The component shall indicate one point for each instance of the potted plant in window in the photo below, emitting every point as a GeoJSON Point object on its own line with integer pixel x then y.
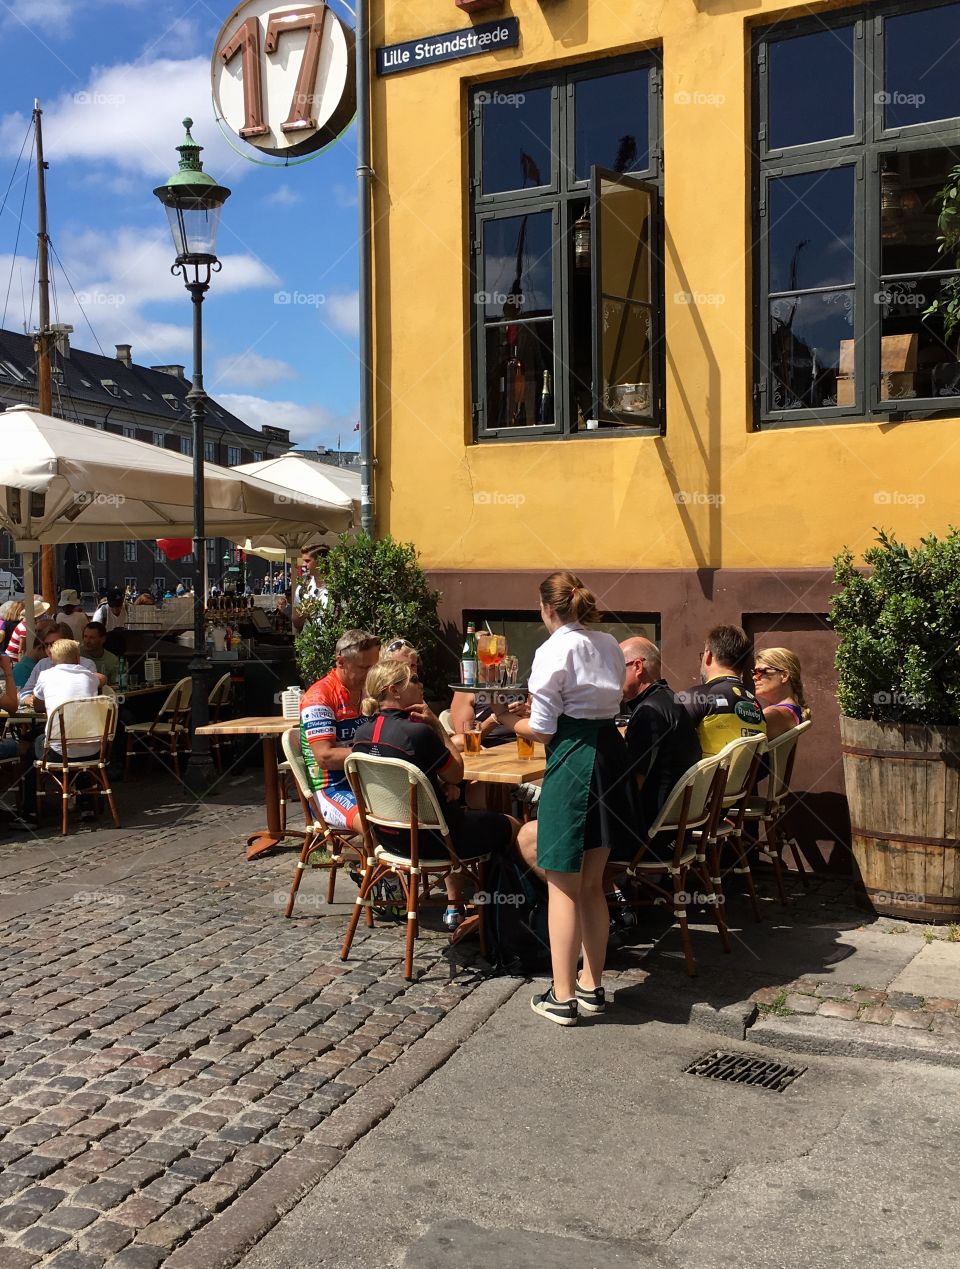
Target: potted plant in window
{"type": "Point", "coordinates": [946, 376]}
{"type": "Point", "coordinates": [898, 665]}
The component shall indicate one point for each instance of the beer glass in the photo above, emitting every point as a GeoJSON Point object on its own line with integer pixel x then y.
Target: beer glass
{"type": "Point", "coordinates": [525, 747]}
{"type": "Point", "coordinates": [471, 740]}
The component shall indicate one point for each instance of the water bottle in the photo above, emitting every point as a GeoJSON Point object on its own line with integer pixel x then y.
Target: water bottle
{"type": "Point", "coordinates": [122, 674]}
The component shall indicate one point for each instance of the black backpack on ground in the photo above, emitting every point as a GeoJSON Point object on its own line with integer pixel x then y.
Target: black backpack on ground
{"type": "Point", "coordinates": [516, 914]}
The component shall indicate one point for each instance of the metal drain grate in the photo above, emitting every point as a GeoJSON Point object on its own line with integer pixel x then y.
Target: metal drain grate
{"type": "Point", "coordinates": [738, 1068]}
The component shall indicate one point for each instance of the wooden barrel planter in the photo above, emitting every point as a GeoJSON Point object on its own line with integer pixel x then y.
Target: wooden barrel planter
{"type": "Point", "coordinates": [903, 788]}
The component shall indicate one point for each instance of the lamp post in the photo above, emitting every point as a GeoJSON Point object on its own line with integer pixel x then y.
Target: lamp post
{"type": "Point", "coordinates": [193, 201]}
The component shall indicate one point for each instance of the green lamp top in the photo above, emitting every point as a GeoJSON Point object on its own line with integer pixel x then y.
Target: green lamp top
{"type": "Point", "coordinates": [190, 183]}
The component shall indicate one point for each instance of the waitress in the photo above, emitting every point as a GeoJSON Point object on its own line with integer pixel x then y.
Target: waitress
{"type": "Point", "coordinates": [586, 806]}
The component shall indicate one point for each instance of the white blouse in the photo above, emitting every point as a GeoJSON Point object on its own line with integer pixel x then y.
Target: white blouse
{"type": "Point", "coordinates": [578, 672]}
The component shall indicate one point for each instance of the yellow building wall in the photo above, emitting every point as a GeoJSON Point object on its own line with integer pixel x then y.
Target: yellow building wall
{"type": "Point", "coordinates": [711, 492]}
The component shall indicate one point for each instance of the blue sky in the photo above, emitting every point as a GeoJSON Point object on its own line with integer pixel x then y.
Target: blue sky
{"type": "Point", "coordinates": [115, 77]}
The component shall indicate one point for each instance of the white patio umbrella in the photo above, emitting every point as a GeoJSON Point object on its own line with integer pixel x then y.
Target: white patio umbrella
{"type": "Point", "coordinates": [62, 482]}
{"type": "Point", "coordinates": [301, 477]}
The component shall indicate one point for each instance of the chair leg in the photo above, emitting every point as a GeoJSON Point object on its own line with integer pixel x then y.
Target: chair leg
{"type": "Point", "coordinates": [413, 897]}
{"type": "Point", "coordinates": [744, 870]}
{"type": "Point", "coordinates": [127, 755]}
{"type": "Point", "coordinates": [298, 875]}
{"type": "Point", "coordinates": [65, 807]}
{"type": "Point", "coordinates": [104, 783]}
{"type": "Point", "coordinates": [773, 848]}
{"type": "Point", "coordinates": [363, 900]}
{"type": "Point", "coordinates": [332, 879]}
{"type": "Point", "coordinates": [715, 891]}
{"type": "Point", "coordinates": [680, 913]}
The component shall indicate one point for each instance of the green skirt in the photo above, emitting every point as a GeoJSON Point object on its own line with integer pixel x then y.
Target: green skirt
{"type": "Point", "coordinates": [588, 799]}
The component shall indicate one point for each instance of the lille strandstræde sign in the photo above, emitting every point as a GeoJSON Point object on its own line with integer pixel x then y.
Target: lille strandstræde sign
{"type": "Point", "coordinates": [451, 46]}
{"type": "Point", "coordinates": [284, 80]}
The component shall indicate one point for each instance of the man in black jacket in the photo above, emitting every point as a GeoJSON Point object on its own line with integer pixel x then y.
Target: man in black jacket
{"type": "Point", "coordinates": [660, 735]}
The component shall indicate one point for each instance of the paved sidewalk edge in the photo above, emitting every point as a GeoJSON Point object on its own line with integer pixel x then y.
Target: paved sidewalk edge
{"type": "Point", "coordinates": [236, 1230]}
{"type": "Point", "coordinates": [834, 1038]}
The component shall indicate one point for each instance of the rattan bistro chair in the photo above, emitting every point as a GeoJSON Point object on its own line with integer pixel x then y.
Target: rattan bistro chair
{"type": "Point", "coordinates": [767, 812]}
{"type": "Point", "coordinates": [318, 835]}
{"type": "Point", "coordinates": [86, 721]}
{"type": "Point", "coordinates": [168, 734]}
{"type": "Point", "coordinates": [692, 803]}
{"type": "Point", "coordinates": [395, 794]}
{"type": "Point", "coordinates": [219, 702]}
{"type": "Point", "coordinates": [742, 759]}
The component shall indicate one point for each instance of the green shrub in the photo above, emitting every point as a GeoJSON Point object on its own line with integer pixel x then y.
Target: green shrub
{"type": "Point", "coordinates": [376, 586]}
{"type": "Point", "coordinates": [899, 627]}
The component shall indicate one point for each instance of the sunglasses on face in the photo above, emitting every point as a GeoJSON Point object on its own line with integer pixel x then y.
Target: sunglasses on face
{"type": "Point", "coordinates": [763, 671]}
{"type": "Point", "coordinates": [398, 644]}
{"type": "Point", "coordinates": [635, 661]}
{"type": "Point", "coordinates": [415, 679]}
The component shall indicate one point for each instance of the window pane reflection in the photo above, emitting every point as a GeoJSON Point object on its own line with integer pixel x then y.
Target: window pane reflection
{"type": "Point", "coordinates": [625, 339]}
{"type": "Point", "coordinates": [612, 114]}
{"type": "Point", "coordinates": [807, 335]}
{"type": "Point", "coordinates": [517, 268]}
{"type": "Point", "coordinates": [922, 83]}
{"type": "Point", "coordinates": [625, 241]}
{"type": "Point", "coordinates": [516, 131]}
{"type": "Point", "coordinates": [811, 229]}
{"type": "Point", "coordinates": [520, 391]}
{"type": "Point", "coordinates": [799, 111]}
{"type": "Point", "coordinates": [910, 183]}
{"type": "Point", "coordinates": [917, 359]}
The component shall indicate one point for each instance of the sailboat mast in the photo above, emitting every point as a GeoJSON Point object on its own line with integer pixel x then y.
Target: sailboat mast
{"type": "Point", "coordinates": [43, 335]}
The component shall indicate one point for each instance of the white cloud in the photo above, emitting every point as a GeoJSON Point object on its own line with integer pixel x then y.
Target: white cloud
{"type": "Point", "coordinates": [309, 425]}
{"type": "Point", "coordinates": [345, 195]}
{"type": "Point", "coordinates": [284, 196]}
{"type": "Point", "coordinates": [343, 311]}
{"type": "Point", "coordinates": [129, 115]}
{"type": "Point", "coordinates": [115, 277]}
{"type": "Point", "coordinates": [251, 370]}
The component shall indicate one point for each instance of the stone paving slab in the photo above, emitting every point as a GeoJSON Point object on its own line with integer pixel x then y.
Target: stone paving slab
{"type": "Point", "coordinates": [171, 1047]}
{"type": "Point", "coordinates": [933, 972]}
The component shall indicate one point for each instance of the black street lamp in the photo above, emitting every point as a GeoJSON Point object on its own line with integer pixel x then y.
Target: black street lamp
{"type": "Point", "coordinates": [193, 201]}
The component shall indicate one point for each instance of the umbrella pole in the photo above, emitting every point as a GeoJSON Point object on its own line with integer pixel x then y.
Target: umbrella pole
{"type": "Point", "coordinates": [29, 590]}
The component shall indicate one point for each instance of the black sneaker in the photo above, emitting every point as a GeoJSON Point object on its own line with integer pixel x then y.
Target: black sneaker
{"type": "Point", "coordinates": [591, 1001]}
{"type": "Point", "coordinates": [562, 1012]}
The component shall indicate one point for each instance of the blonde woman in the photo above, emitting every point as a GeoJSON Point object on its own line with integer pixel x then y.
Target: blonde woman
{"type": "Point", "coordinates": [399, 725]}
{"type": "Point", "coordinates": [778, 687]}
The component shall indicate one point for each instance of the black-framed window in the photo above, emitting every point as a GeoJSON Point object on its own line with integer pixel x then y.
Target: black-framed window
{"type": "Point", "coordinates": [846, 198]}
{"type": "Point", "coordinates": [567, 282]}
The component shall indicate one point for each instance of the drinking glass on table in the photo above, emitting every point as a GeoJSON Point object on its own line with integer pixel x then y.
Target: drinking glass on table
{"type": "Point", "coordinates": [525, 747]}
{"type": "Point", "coordinates": [471, 740]}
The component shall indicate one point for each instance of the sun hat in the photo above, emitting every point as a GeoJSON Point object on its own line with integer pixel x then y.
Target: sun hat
{"type": "Point", "coordinates": [68, 597]}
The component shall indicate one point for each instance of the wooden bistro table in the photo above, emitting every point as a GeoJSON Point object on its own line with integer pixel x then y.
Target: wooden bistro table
{"type": "Point", "coordinates": [502, 770]}
{"type": "Point", "coordinates": [268, 729]}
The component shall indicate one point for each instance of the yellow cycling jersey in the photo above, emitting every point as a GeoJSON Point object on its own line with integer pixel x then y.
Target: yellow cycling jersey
{"type": "Point", "coordinates": [723, 710]}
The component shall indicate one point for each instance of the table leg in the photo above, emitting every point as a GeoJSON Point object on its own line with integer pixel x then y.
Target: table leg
{"type": "Point", "coordinates": [272, 835]}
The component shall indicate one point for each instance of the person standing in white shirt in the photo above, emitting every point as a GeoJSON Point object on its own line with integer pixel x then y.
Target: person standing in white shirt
{"type": "Point", "coordinates": [312, 586]}
{"type": "Point", "coordinates": [587, 808]}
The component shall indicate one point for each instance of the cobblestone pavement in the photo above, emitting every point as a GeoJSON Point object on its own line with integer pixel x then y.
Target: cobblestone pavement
{"type": "Point", "coordinates": [851, 1004]}
{"type": "Point", "coordinates": [169, 1042]}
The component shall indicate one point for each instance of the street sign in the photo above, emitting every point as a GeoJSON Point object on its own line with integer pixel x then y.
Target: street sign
{"type": "Point", "coordinates": [451, 46]}
{"type": "Point", "coordinates": [284, 80]}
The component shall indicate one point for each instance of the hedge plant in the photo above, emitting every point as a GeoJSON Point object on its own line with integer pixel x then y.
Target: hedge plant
{"type": "Point", "coordinates": [898, 659]}
{"type": "Point", "coordinates": [374, 585]}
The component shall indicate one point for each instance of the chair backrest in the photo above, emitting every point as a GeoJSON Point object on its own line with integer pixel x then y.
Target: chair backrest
{"type": "Point", "coordinates": [220, 693]}
{"type": "Point", "coordinates": [290, 743]}
{"type": "Point", "coordinates": [742, 757]}
{"type": "Point", "coordinates": [86, 721]}
{"type": "Point", "coordinates": [446, 722]}
{"type": "Point", "coordinates": [179, 697]}
{"type": "Point", "coordinates": [384, 784]}
{"type": "Point", "coordinates": [698, 782]}
{"type": "Point", "coordinates": [780, 756]}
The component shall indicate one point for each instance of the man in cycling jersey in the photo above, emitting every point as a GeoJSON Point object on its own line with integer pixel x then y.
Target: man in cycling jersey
{"type": "Point", "coordinates": [329, 716]}
{"type": "Point", "coordinates": [722, 707]}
